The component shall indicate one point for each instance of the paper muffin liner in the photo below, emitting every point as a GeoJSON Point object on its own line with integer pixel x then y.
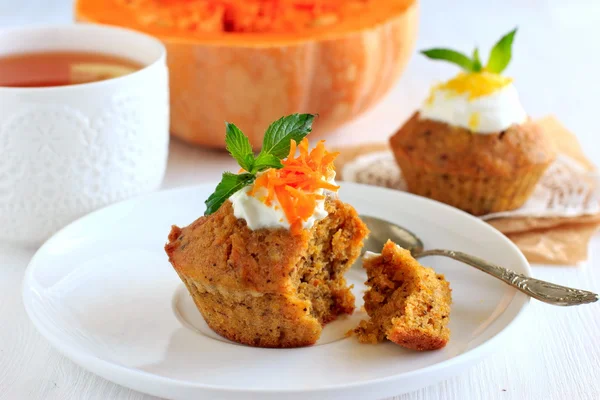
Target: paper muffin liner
{"type": "Point", "coordinates": [475, 195]}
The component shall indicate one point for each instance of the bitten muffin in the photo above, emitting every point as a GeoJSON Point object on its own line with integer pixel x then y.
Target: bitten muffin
{"type": "Point", "coordinates": [265, 265]}
{"type": "Point", "coordinates": [268, 287]}
{"type": "Point", "coordinates": [407, 303]}
{"type": "Point", "coordinates": [472, 145]}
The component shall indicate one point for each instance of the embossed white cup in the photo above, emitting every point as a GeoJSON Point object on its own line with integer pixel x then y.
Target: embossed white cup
{"type": "Point", "coordinates": [68, 150]}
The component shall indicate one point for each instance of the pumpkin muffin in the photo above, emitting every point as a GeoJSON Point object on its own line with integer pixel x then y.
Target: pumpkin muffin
{"type": "Point", "coordinates": [265, 265]}
{"type": "Point", "coordinates": [479, 174]}
{"type": "Point", "coordinates": [472, 145]}
{"type": "Point", "coordinates": [407, 303]}
{"type": "Point", "coordinates": [268, 287]}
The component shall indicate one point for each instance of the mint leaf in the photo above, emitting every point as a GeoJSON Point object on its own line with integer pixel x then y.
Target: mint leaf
{"type": "Point", "coordinates": [501, 53]}
{"type": "Point", "coordinates": [476, 61]}
{"type": "Point", "coordinates": [230, 183]}
{"type": "Point", "coordinates": [276, 146]}
{"type": "Point", "coordinates": [451, 56]}
{"type": "Point", "coordinates": [281, 132]}
{"type": "Point", "coordinates": [265, 161]}
{"type": "Point", "coordinates": [239, 146]}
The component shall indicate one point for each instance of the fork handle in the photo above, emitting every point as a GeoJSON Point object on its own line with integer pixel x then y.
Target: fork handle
{"type": "Point", "coordinates": [538, 289]}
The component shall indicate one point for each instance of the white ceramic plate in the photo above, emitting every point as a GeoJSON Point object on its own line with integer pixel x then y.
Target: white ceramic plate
{"type": "Point", "coordinates": [103, 293]}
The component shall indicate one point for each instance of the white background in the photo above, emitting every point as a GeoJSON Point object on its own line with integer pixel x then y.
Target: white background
{"type": "Point", "coordinates": [555, 353]}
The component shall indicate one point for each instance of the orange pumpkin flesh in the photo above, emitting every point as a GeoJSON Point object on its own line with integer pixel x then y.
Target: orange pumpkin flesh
{"type": "Point", "coordinates": [230, 62]}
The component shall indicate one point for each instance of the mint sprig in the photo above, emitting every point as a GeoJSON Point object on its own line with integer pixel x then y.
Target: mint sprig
{"type": "Point", "coordinates": [230, 183]}
{"type": "Point", "coordinates": [501, 53]}
{"type": "Point", "coordinates": [452, 56]}
{"type": "Point", "coordinates": [276, 146]}
{"type": "Point", "coordinates": [476, 60]}
{"type": "Point", "coordinates": [281, 132]}
{"type": "Point", "coordinates": [239, 146]}
{"type": "Point", "coordinates": [266, 161]}
{"type": "Point", "coordinates": [499, 59]}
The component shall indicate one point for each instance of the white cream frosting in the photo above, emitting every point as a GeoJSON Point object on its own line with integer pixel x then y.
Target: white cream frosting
{"type": "Point", "coordinates": [370, 255]}
{"type": "Point", "coordinates": [485, 114]}
{"type": "Point", "coordinates": [259, 215]}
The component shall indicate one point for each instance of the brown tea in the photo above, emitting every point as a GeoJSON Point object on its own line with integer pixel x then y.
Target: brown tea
{"type": "Point", "coordinates": [61, 68]}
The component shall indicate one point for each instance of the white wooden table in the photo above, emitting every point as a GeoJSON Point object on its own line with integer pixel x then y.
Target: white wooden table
{"type": "Point", "coordinates": [556, 351]}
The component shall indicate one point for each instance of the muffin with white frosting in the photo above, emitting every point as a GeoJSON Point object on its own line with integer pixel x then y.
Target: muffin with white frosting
{"type": "Point", "coordinates": [472, 145]}
{"type": "Point", "coordinates": [265, 265]}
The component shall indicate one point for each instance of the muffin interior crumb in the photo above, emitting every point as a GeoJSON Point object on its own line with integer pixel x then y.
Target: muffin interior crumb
{"type": "Point", "coordinates": [407, 303]}
{"type": "Point", "coordinates": [319, 276]}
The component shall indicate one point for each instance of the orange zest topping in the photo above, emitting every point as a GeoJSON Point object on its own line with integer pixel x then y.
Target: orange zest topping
{"type": "Point", "coordinates": [296, 186]}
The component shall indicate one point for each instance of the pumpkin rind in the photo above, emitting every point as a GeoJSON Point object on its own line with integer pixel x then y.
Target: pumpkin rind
{"type": "Point", "coordinates": [254, 83]}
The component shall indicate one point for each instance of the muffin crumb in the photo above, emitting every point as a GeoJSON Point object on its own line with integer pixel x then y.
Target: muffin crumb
{"type": "Point", "coordinates": [407, 303]}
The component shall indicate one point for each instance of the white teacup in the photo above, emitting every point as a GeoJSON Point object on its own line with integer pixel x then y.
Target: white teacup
{"type": "Point", "coordinates": [68, 150]}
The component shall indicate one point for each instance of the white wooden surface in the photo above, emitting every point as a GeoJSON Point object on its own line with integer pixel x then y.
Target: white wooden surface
{"type": "Point", "coordinates": [556, 352]}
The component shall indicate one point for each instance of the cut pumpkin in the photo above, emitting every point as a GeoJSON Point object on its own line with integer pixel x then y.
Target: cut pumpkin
{"type": "Point", "coordinates": [252, 61]}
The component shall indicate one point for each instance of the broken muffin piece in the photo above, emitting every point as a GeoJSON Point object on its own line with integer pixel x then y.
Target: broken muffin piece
{"type": "Point", "coordinates": [407, 303]}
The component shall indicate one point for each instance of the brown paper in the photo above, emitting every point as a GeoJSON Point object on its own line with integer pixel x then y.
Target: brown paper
{"type": "Point", "coordinates": [528, 224]}
{"type": "Point", "coordinates": [562, 245]}
{"type": "Point", "coordinates": [542, 240]}
{"type": "Point", "coordinates": [564, 141]}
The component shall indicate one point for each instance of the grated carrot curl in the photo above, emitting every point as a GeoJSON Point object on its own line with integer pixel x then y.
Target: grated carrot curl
{"type": "Point", "coordinates": [296, 185]}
